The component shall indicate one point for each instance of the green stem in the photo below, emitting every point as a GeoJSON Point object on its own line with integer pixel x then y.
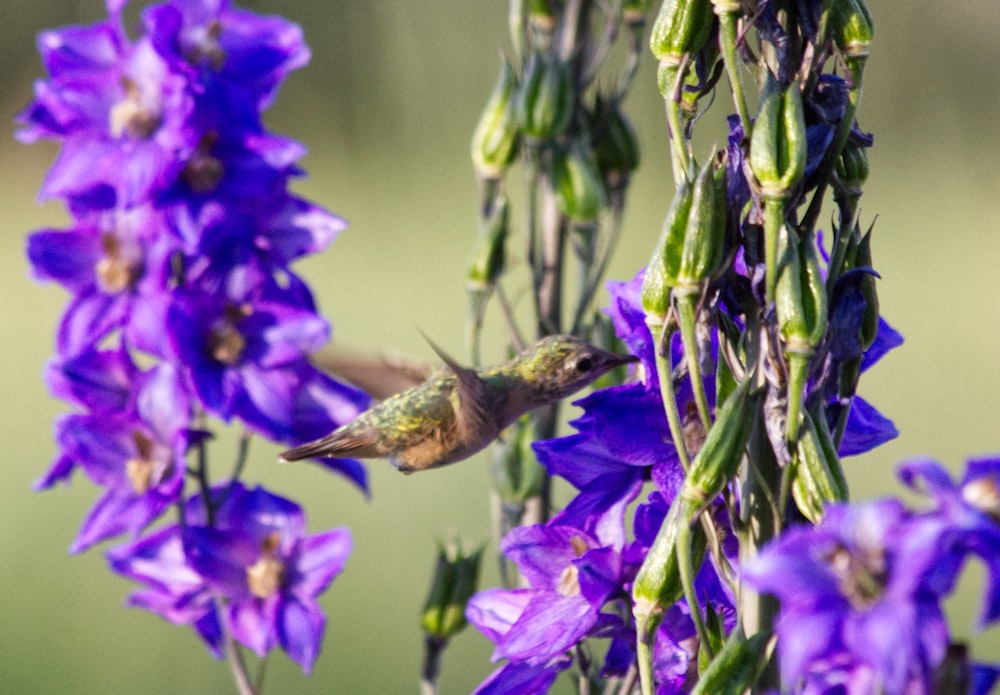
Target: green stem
{"type": "Point", "coordinates": [674, 78]}
{"type": "Point", "coordinates": [686, 309]}
{"type": "Point", "coordinates": [687, 571]}
{"type": "Point", "coordinates": [798, 370]}
{"type": "Point", "coordinates": [644, 655]}
{"type": "Point", "coordinates": [727, 39]}
{"type": "Point", "coordinates": [774, 217]}
{"type": "Point", "coordinates": [664, 373]}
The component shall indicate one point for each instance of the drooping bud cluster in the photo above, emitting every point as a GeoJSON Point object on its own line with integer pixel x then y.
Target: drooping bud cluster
{"type": "Point", "coordinates": [184, 302]}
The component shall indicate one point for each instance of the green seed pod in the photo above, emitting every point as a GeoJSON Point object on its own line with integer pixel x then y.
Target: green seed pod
{"type": "Point", "coordinates": [657, 584]}
{"type": "Point", "coordinates": [869, 324]}
{"type": "Point", "coordinates": [661, 271]}
{"type": "Point", "coordinates": [705, 232]}
{"type": "Point", "coordinates": [800, 295]}
{"type": "Point", "coordinates": [736, 667]}
{"type": "Point", "coordinates": [544, 99]}
{"type": "Point", "coordinates": [488, 260]}
{"type": "Point", "coordinates": [578, 185]}
{"type": "Point", "coordinates": [818, 478]}
{"type": "Point", "coordinates": [494, 141]}
{"type": "Point", "coordinates": [455, 577]}
{"type": "Point", "coordinates": [616, 145]}
{"type": "Point", "coordinates": [719, 457]}
{"type": "Point", "coordinates": [852, 168]}
{"type": "Point", "coordinates": [681, 27]}
{"type": "Point", "coordinates": [851, 26]}
{"type": "Point", "coordinates": [778, 146]}
{"type": "Point", "coordinates": [801, 306]}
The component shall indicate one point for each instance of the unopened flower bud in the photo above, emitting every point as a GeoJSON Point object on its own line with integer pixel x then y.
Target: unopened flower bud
{"type": "Point", "coordinates": [541, 16]}
{"type": "Point", "coordinates": [818, 478]}
{"type": "Point", "coordinates": [869, 324]}
{"type": "Point", "coordinates": [682, 27]}
{"type": "Point", "coordinates": [736, 667]}
{"type": "Point", "coordinates": [852, 168]}
{"type": "Point", "coordinates": [778, 147]}
{"type": "Point", "coordinates": [801, 307]}
{"type": "Point", "coordinates": [852, 28]}
{"type": "Point", "coordinates": [657, 585]}
{"type": "Point", "coordinates": [616, 145]}
{"type": "Point", "coordinates": [692, 242]}
{"type": "Point", "coordinates": [661, 271]}
{"type": "Point", "coordinates": [494, 141]}
{"type": "Point", "coordinates": [719, 457]}
{"type": "Point", "coordinates": [455, 577]}
{"type": "Point", "coordinates": [544, 99]}
{"type": "Point", "coordinates": [578, 185]}
{"type": "Point", "coordinates": [489, 256]}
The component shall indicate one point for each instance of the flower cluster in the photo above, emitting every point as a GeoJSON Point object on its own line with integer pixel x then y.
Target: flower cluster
{"type": "Point", "coordinates": [861, 592]}
{"type": "Point", "coordinates": [753, 327]}
{"type": "Point", "coordinates": [184, 306]}
{"type": "Point", "coordinates": [582, 564]}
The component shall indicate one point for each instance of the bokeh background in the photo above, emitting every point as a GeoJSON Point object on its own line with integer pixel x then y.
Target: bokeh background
{"type": "Point", "coordinates": [386, 108]}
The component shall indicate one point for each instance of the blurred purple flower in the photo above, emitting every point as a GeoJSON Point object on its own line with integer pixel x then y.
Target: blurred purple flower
{"type": "Point", "coordinates": [258, 565]}
{"type": "Point", "coordinates": [854, 597]}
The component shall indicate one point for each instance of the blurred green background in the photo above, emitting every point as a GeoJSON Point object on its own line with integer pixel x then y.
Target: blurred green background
{"type": "Point", "coordinates": [386, 108]}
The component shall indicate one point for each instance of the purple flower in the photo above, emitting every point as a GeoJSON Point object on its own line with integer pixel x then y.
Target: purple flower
{"type": "Point", "coordinates": [970, 512]}
{"type": "Point", "coordinates": [854, 599]}
{"type": "Point", "coordinates": [572, 574]}
{"type": "Point", "coordinates": [122, 112]}
{"type": "Point", "coordinates": [255, 570]}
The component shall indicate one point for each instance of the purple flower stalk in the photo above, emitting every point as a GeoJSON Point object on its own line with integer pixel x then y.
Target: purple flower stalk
{"type": "Point", "coordinates": [184, 305]}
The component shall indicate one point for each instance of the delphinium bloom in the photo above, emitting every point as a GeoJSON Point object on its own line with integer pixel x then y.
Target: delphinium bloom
{"type": "Point", "coordinates": [184, 303]}
{"type": "Point", "coordinates": [251, 566]}
{"type": "Point", "coordinates": [859, 600]}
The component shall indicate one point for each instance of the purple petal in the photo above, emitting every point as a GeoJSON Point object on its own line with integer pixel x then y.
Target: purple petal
{"type": "Point", "coordinates": [321, 557]}
{"type": "Point", "coordinates": [300, 631]}
{"type": "Point", "coordinates": [866, 429]}
{"type": "Point", "coordinates": [494, 611]}
{"type": "Point", "coordinates": [550, 625]}
{"type": "Point", "coordinates": [523, 678]}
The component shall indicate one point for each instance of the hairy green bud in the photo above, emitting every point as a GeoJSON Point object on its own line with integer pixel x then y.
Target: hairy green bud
{"type": "Point", "coordinates": [657, 584]}
{"type": "Point", "coordinates": [692, 242]}
{"type": "Point", "coordinates": [851, 26]}
{"type": "Point", "coordinates": [489, 257]}
{"type": "Point", "coordinates": [778, 146]}
{"type": "Point", "coordinates": [616, 145]}
{"type": "Point", "coordinates": [736, 667]}
{"type": "Point", "coordinates": [578, 185]}
{"type": "Point", "coordinates": [494, 141]}
{"type": "Point", "coordinates": [544, 99]}
{"type": "Point", "coordinates": [818, 478]}
{"type": "Point", "coordinates": [681, 27]}
{"type": "Point", "coordinates": [719, 457]}
{"type": "Point", "coordinates": [456, 574]}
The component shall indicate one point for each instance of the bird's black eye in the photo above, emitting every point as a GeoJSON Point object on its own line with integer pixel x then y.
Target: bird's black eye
{"type": "Point", "coordinates": [584, 365]}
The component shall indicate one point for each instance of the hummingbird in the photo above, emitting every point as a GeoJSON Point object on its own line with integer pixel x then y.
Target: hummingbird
{"type": "Point", "coordinates": [458, 411]}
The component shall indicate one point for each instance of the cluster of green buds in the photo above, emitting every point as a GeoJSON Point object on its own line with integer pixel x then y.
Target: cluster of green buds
{"type": "Point", "coordinates": [774, 435]}
{"type": "Point", "coordinates": [556, 115]}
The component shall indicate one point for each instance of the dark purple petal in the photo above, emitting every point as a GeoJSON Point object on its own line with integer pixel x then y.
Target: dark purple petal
{"type": "Point", "coordinates": [100, 380]}
{"type": "Point", "coordinates": [221, 557]}
{"type": "Point", "coordinates": [519, 678]}
{"type": "Point", "coordinates": [867, 429]}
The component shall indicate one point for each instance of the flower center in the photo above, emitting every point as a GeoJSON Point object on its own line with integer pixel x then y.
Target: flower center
{"type": "Point", "coordinates": [131, 116]}
{"type": "Point", "coordinates": [116, 271]}
{"type": "Point", "coordinates": [202, 45]}
{"type": "Point", "coordinates": [265, 576]}
{"type": "Point", "coordinates": [140, 468]}
{"type": "Point", "coordinates": [225, 342]}
{"type": "Point", "coordinates": [862, 575]}
{"type": "Point", "coordinates": [203, 171]}
{"type": "Point", "coordinates": [984, 494]}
